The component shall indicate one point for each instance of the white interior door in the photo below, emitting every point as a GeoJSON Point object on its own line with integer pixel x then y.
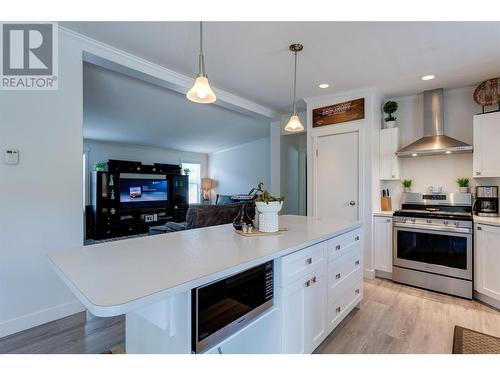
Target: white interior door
{"type": "Point", "coordinates": [337, 176]}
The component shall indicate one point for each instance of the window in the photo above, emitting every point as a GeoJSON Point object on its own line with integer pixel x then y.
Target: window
{"type": "Point", "coordinates": [194, 181]}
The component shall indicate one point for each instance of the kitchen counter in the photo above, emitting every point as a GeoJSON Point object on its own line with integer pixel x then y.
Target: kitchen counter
{"type": "Point", "coordinates": [383, 213]}
{"type": "Point", "coordinates": [487, 220]}
{"type": "Point", "coordinates": [119, 277]}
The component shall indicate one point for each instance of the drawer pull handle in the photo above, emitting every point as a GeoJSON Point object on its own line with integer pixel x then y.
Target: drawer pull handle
{"type": "Point", "coordinates": [337, 276]}
{"type": "Point", "coordinates": [338, 309]}
{"type": "Point", "coordinates": [337, 248]}
{"type": "Point", "coordinates": [479, 228]}
{"type": "Point", "coordinates": [219, 350]}
{"type": "Point", "coordinates": [356, 291]}
{"type": "Point", "coordinates": [309, 260]}
{"type": "Point", "coordinates": [308, 283]}
{"type": "Point", "coordinates": [313, 280]}
{"type": "Point", "coordinates": [356, 238]}
{"type": "Point", "coordinates": [356, 263]}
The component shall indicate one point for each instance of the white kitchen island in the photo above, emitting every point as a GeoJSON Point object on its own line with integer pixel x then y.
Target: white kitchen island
{"type": "Point", "coordinates": [150, 280]}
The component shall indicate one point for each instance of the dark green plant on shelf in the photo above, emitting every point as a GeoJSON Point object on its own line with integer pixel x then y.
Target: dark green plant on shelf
{"type": "Point", "coordinates": [463, 182]}
{"type": "Point", "coordinates": [100, 166]}
{"type": "Point", "coordinates": [406, 184]}
{"type": "Point", "coordinates": [390, 107]}
{"type": "Point", "coordinates": [262, 195]}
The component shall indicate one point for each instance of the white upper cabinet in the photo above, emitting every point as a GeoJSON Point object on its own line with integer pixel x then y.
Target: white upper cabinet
{"type": "Point", "coordinates": [486, 141]}
{"type": "Point", "coordinates": [389, 162]}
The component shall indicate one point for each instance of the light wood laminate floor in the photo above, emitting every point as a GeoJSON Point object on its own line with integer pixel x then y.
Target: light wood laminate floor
{"type": "Point", "coordinates": [393, 319]}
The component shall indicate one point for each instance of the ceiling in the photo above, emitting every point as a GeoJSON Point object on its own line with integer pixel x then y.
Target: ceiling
{"type": "Point", "coordinates": [251, 59]}
{"type": "Point", "coordinates": [123, 109]}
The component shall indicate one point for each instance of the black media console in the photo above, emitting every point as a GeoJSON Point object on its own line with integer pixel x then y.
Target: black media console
{"type": "Point", "coordinates": [130, 197]}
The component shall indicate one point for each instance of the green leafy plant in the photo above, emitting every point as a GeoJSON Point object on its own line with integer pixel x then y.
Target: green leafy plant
{"type": "Point", "coordinates": [186, 171]}
{"type": "Point", "coordinates": [406, 183]}
{"type": "Point", "coordinates": [463, 182]}
{"type": "Point", "coordinates": [100, 166]}
{"type": "Point", "coordinates": [262, 195]}
{"type": "Point", "coordinates": [390, 107]}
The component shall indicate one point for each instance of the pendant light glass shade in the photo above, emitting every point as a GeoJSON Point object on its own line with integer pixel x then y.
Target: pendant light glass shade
{"type": "Point", "coordinates": [294, 124]}
{"type": "Point", "coordinates": [201, 91]}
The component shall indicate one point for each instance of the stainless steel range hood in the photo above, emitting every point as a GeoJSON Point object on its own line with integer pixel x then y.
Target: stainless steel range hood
{"type": "Point", "coordinates": [434, 141]}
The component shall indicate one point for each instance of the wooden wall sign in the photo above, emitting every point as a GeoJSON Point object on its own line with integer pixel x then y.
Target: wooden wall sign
{"type": "Point", "coordinates": [340, 112]}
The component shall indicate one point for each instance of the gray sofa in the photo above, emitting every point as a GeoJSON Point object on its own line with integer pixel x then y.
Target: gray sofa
{"type": "Point", "coordinates": [205, 215]}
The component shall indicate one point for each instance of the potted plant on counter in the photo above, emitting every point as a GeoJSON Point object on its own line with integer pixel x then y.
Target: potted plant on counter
{"type": "Point", "coordinates": [389, 108]}
{"type": "Point", "coordinates": [266, 209]}
{"type": "Point", "coordinates": [463, 184]}
{"type": "Point", "coordinates": [406, 186]}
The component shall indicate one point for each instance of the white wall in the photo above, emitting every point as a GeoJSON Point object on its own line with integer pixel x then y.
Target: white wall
{"type": "Point", "coordinates": [103, 151]}
{"type": "Point", "coordinates": [459, 109]}
{"type": "Point", "coordinates": [293, 173]}
{"type": "Point", "coordinates": [41, 200]}
{"type": "Point", "coordinates": [240, 168]}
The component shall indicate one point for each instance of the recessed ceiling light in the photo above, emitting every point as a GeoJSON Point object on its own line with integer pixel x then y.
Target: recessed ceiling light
{"type": "Point", "coordinates": [427, 78]}
{"type": "Point", "coordinates": [323, 85]}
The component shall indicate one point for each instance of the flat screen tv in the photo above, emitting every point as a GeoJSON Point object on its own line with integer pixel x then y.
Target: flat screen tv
{"type": "Point", "coordinates": [143, 191]}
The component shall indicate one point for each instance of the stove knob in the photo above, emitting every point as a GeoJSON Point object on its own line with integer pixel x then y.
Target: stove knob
{"type": "Point", "coordinates": [457, 224]}
{"type": "Point", "coordinates": [404, 221]}
{"type": "Point", "coordinates": [429, 221]}
{"type": "Point", "coordinates": [445, 222]}
{"type": "Point", "coordinates": [413, 220]}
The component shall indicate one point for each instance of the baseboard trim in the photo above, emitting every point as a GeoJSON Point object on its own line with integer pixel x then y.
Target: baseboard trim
{"type": "Point", "coordinates": [383, 274]}
{"type": "Point", "coordinates": [487, 300]}
{"type": "Point", "coordinates": [369, 274]}
{"type": "Point", "coordinates": [37, 318]}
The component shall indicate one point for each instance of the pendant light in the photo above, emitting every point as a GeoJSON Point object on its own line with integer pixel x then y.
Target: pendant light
{"type": "Point", "coordinates": [201, 91]}
{"type": "Point", "coordinates": [294, 124]}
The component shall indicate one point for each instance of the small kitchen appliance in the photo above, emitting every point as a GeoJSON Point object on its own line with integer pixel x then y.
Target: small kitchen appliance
{"type": "Point", "coordinates": [486, 203]}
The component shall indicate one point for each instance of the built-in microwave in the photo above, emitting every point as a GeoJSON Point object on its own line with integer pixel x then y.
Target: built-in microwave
{"type": "Point", "coordinates": [224, 306]}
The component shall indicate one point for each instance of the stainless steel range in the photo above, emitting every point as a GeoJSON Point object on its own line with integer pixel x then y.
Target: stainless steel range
{"type": "Point", "coordinates": [433, 244]}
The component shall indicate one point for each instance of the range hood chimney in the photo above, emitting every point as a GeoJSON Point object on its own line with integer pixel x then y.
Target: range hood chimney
{"type": "Point", "coordinates": [434, 141]}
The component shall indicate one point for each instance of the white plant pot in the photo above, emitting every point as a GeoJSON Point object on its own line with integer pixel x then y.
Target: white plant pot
{"type": "Point", "coordinates": [463, 189]}
{"type": "Point", "coordinates": [268, 216]}
{"type": "Point", "coordinates": [390, 124]}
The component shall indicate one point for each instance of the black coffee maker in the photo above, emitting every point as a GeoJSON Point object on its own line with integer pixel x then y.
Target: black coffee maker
{"type": "Point", "coordinates": [486, 203]}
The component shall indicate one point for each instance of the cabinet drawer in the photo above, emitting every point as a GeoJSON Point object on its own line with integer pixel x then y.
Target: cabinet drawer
{"type": "Point", "coordinates": [343, 298]}
{"type": "Point", "coordinates": [340, 245]}
{"type": "Point", "coordinates": [302, 262]}
{"type": "Point", "coordinates": [344, 266]}
{"type": "Point", "coordinates": [260, 337]}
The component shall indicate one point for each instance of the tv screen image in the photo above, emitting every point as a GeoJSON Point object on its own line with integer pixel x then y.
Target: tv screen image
{"type": "Point", "coordinates": [143, 192]}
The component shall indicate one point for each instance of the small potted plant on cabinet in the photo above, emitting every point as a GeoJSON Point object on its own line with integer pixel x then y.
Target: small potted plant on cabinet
{"type": "Point", "coordinates": [186, 171]}
{"type": "Point", "coordinates": [406, 186]}
{"type": "Point", "coordinates": [463, 184]}
{"type": "Point", "coordinates": [389, 108]}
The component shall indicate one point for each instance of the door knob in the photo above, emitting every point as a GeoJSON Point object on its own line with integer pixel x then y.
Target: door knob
{"type": "Point", "coordinates": [352, 203]}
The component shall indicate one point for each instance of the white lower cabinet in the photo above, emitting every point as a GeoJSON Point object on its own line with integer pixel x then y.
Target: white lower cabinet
{"type": "Point", "coordinates": [304, 312]}
{"type": "Point", "coordinates": [382, 243]}
{"type": "Point", "coordinates": [262, 336]}
{"type": "Point", "coordinates": [487, 263]}
{"type": "Point", "coordinates": [317, 300]}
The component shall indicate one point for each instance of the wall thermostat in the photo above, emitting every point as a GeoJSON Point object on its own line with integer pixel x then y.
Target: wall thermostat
{"type": "Point", "coordinates": [11, 156]}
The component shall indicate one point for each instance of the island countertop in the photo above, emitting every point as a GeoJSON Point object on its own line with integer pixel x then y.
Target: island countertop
{"type": "Point", "coordinates": [117, 277]}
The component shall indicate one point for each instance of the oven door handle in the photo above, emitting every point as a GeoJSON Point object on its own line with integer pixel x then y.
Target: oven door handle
{"type": "Point", "coordinates": [433, 228]}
